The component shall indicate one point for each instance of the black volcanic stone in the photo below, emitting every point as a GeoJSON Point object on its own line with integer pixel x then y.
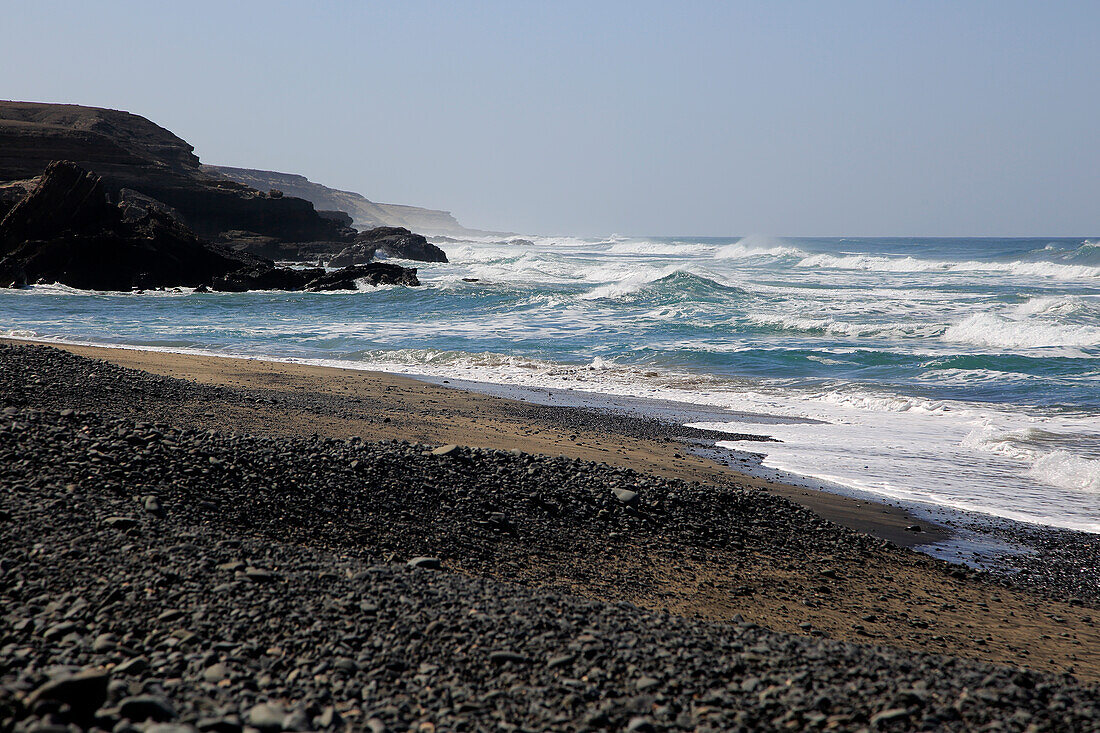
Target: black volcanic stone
{"type": "Point", "coordinates": [349, 635]}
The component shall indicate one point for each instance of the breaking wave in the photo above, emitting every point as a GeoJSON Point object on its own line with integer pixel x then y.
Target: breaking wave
{"type": "Point", "coordinates": [876, 263]}
{"type": "Point", "coordinates": [985, 329]}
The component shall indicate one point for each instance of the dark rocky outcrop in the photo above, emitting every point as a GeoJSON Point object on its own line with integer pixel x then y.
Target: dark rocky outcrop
{"type": "Point", "coordinates": [68, 231]}
{"type": "Point", "coordinates": [265, 277]}
{"type": "Point", "coordinates": [315, 279]}
{"type": "Point", "coordinates": [128, 151]}
{"type": "Point", "coordinates": [395, 242]}
{"type": "Point", "coordinates": [374, 273]}
{"type": "Point", "coordinates": [253, 212]}
{"type": "Point", "coordinates": [340, 217]}
{"type": "Point", "coordinates": [12, 192]}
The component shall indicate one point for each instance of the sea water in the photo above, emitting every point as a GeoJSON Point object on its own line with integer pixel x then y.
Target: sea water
{"type": "Point", "coordinates": [955, 372]}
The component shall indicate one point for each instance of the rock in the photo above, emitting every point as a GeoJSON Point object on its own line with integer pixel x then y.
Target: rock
{"type": "Point", "coordinates": [374, 274]}
{"type": "Point", "coordinates": [264, 276]}
{"type": "Point", "coordinates": [330, 718]}
{"type": "Point", "coordinates": [152, 505]}
{"type": "Point", "coordinates": [559, 660]}
{"type": "Point", "coordinates": [914, 528]}
{"type": "Point", "coordinates": [134, 666]}
{"type": "Point", "coordinates": [887, 716]}
{"type": "Point", "coordinates": [267, 716]}
{"type": "Point", "coordinates": [61, 630]}
{"type": "Point", "coordinates": [135, 205]}
{"type": "Point", "coordinates": [120, 522]}
{"type": "Point", "coordinates": [104, 643]}
{"type": "Point", "coordinates": [626, 496]}
{"type": "Point", "coordinates": [395, 242]}
{"type": "Point", "coordinates": [215, 673]}
{"type": "Point", "coordinates": [146, 707]}
{"type": "Point", "coordinates": [169, 728]}
{"type": "Point", "coordinates": [219, 725]}
{"type": "Point", "coordinates": [426, 563]}
{"type": "Point", "coordinates": [353, 254]}
{"type": "Point", "coordinates": [12, 192]}
{"type": "Point", "coordinates": [297, 721]}
{"type": "Point", "coordinates": [640, 725]}
{"type": "Point", "coordinates": [68, 232]}
{"type": "Point", "coordinates": [130, 152]}
{"type": "Point", "coordinates": [506, 657]}
{"type": "Point", "coordinates": [342, 218]}
{"type": "Point", "coordinates": [84, 692]}
{"type": "Point", "coordinates": [445, 450]}
{"type": "Point", "coordinates": [259, 575]}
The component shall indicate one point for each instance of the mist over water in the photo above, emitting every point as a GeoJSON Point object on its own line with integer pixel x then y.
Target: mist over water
{"type": "Point", "coordinates": [958, 372]}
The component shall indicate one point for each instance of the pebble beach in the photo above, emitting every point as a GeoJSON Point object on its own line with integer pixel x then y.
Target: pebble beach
{"type": "Point", "coordinates": [242, 549]}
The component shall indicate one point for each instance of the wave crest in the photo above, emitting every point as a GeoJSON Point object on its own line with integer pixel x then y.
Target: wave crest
{"type": "Point", "coordinates": [984, 329]}
{"type": "Point", "coordinates": [878, 263]}
{"type": "Point", "coordinates": [665, 288]}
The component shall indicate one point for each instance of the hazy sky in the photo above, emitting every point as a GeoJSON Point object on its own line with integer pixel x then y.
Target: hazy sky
{"type": "Point", "coordinates": [723, 118]}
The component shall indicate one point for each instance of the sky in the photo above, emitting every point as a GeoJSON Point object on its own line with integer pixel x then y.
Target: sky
{"type": "Point", "coordinates": [639, 118]}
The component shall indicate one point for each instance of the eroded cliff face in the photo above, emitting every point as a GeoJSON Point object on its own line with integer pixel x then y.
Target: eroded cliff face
{"type": "Point", "coordinates": [129, 151]}
{"type": "Point", "coordinates": [67, 230]}
{"type": "Point", "coordinates": [365, 214]}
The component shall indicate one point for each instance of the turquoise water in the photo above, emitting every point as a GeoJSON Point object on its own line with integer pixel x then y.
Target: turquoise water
{"type": "Point", "coordinates": [957, 372]}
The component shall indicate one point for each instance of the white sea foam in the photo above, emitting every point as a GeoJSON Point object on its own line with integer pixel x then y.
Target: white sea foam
{"type": "Point", "coordinates": [757, 246]}
{"type": "Point", "coordinates": [844, 328]}
{"type": "Point", "coordinates": [876, 263]}
{"type": "Point", "coordinates": [659, 248]}
{"type": "Point", "coordinates": [1009, 443]}
{"type": "Point", "coordinates": [1065, 470]}
{"type": "Point", "coordinates": [963, 456]}
{"type": "Point", "coordinates": [19, 333]}
{"type": "Point", "coordinates": [1051, 304]}
{"type": "Point", "coordinates": [624, 279]}
{"type": "Point", "coordinates": [986, 329]}
{"type": "Point", "coordinates": [889, 445]}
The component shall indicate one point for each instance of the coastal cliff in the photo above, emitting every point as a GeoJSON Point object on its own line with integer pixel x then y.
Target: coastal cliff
{"type": "Point", "coordinates": [105, 199]}
{"type": "Point", "coordinates": [365, 214]}
{"type": "Point", "coordinates": [67, 230]}
{"type": "Point", "coordinates": [128, 151]}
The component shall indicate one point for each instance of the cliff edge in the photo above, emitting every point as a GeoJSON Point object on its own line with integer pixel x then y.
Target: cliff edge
{"type": "Point", "coordinates": [365, 214]}
{"type": "Point", "coordinates": [128, 151]}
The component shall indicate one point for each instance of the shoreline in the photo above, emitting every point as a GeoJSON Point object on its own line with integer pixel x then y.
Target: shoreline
{"type": "Point", "coordinates": [349, 464]}
{"type": "Point", "coordinates": [590, 426]}
{"type": "Point", "coordinates": [671, 455]}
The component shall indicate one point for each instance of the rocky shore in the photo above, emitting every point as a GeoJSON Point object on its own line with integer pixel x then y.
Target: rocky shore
{"type": "Point", "coordinates": [164, 576]}
{"type": "Point", "coordinates": [102, 199]}
{"type": "Point", "coordinates": [67, 231]}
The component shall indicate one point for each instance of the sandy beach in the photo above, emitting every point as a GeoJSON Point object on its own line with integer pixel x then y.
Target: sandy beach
{"type": "Point", "coordinates": [885, 595]}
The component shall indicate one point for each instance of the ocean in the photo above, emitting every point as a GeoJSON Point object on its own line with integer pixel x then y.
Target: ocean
{"type": "Point", "coordinates": [961, 373]}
